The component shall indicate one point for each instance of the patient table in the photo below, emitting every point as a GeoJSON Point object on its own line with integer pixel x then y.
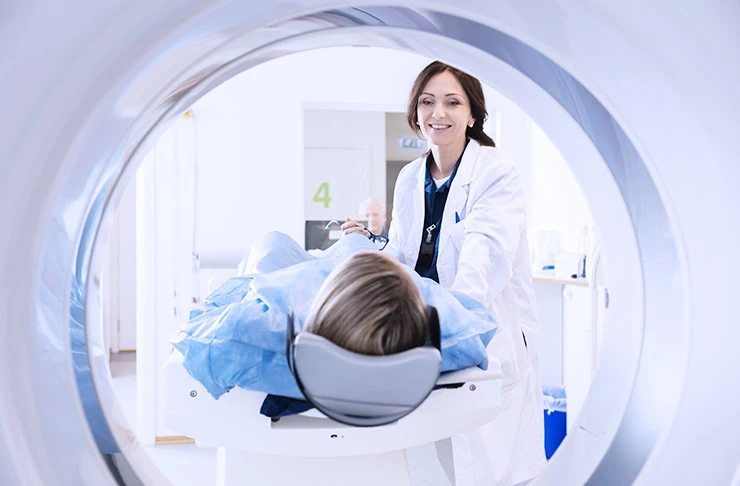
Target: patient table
{"type": "Point", "coordinates": [310, 448]}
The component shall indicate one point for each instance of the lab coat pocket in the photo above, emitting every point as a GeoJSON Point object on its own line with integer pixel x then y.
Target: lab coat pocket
{"type": "Point", "coordinates": [508, 348]}
{"type": "Point", "coordinates": [457, 235]}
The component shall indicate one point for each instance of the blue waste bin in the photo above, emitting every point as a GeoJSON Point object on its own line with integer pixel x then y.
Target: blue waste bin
{"type": "Point", "coordinates": [554, 403]}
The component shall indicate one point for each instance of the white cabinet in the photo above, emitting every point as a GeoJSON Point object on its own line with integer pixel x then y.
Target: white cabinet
{"type": "Point", "coordinates": [578, 346]}
{"type": "Point", "coordinates": [572, 315]}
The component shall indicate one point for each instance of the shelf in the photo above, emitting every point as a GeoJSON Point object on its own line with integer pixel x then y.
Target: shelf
{"type": "Point", "coordinates": [579, 282]}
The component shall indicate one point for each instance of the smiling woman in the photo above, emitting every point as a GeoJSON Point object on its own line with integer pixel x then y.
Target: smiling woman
{"type": "Point", "coordinates": [473, 239]}
{"type": "Point", "coordinates": [445, 106]}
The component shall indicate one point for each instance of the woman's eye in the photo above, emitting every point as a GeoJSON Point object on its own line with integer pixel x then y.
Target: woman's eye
{"type": "Point", "coordinates": [453, 102]}
{"type": "Point", "coordinates": [427, 102]}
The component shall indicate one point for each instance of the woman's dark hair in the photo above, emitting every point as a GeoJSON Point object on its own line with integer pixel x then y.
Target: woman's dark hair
{"type": "Point", "coordinates": [473, 90]}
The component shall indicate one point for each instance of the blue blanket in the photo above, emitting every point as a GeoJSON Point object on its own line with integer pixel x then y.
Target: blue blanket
{"type": "Point", "coordinates": [238, 337]}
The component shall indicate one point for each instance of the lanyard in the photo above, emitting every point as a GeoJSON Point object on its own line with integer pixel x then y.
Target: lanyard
{"type": "Point", "coordinates": [427, 246]}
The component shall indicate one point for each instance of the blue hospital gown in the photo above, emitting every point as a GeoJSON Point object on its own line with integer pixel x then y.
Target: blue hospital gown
{"type": "Point", "coordinates": [238, 337]}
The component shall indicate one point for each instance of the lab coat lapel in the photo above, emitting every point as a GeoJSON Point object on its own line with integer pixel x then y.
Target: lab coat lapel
{"type": "Point", "coordinates": [418, 209]}
{"type": "Point", "coordinates": [458, 194]}
{"type": "Point", "coordinates": [410, 214]}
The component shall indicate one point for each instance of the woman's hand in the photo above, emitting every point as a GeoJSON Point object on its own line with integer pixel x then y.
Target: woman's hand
{"type": "Point", "coordinates": [350, 226]}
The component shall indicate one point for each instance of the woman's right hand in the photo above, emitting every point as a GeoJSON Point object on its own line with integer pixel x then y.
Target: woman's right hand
{"type": "Point", "coordinates": [350, 226]}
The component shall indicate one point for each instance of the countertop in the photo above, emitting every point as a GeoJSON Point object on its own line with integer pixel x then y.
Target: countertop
{"type": "Point", "coordinates": [550, 278]}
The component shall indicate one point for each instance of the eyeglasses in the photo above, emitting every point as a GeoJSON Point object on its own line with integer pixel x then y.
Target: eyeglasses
{"type": "Point", "coordinates": [380, 241]}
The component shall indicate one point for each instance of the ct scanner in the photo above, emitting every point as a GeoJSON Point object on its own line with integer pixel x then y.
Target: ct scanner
{"type": "Point", "coordinates": [640, 98]}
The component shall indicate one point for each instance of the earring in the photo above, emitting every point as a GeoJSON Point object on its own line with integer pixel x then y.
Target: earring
{"type": "Point", "coordinates": [471, 124]}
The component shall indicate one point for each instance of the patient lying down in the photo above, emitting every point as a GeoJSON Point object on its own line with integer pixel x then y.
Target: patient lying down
{"type": "Point", "coordinates": [353, 295]}
{"type": "Point", "coordinates": [370, 305]}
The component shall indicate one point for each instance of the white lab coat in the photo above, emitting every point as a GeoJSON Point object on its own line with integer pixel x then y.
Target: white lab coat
{"type": "Point", "coordinates": [485, 255]}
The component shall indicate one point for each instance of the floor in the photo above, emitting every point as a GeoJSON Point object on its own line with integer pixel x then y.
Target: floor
{"type": "Point", "coordinates": [184, 465]}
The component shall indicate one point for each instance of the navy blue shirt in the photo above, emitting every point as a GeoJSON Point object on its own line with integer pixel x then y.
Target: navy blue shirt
{"type": "Point", "coordinates": [435, 199]}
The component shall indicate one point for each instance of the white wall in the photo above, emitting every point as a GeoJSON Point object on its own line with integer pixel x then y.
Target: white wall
{"type": "Point", "coordinates": [250, 139]}
{"type": "Point", "coordinates": [557, 200]}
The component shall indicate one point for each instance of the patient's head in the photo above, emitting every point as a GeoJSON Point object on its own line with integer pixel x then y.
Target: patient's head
{"type": "Point", "coordinates": [370, 305]}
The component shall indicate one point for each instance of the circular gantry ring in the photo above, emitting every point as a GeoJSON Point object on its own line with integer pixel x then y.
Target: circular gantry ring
{"type": "Point", "coordinates": [631, 98]}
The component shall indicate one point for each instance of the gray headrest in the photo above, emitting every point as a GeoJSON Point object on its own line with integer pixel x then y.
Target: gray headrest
{"type": "Point", "coordinates": [362, 390]}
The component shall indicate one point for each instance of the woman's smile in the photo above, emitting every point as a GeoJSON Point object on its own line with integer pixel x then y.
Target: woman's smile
{"type": "Point", "coordinates": [443, 111]}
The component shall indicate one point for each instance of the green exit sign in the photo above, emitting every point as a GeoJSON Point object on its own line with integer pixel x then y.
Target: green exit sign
{"type": "Point", "coordinates": [412, 143]}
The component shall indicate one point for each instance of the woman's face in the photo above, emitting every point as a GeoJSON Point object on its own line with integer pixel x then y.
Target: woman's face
{"type": "Point", "coordinates": [444, 110]}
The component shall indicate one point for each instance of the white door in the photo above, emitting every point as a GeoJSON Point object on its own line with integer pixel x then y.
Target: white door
{"type": "Point", "coordinates": [344, 163]}
{"type": "Point", "coordinates": [118, 282]}
{"type": "Point", "coordinates": [336, 181]}
{"type": "Point", "coordinates": [165, 185]}
{"type": "Point", "coordinates": [126, 236]}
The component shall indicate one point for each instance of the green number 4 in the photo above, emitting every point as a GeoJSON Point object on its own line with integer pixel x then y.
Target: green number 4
{"type": "Point", "coordinates": [322, 194]}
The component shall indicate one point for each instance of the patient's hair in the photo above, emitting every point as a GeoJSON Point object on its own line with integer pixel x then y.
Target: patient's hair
{"type": "Point", "coordinates": [370, 305]}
